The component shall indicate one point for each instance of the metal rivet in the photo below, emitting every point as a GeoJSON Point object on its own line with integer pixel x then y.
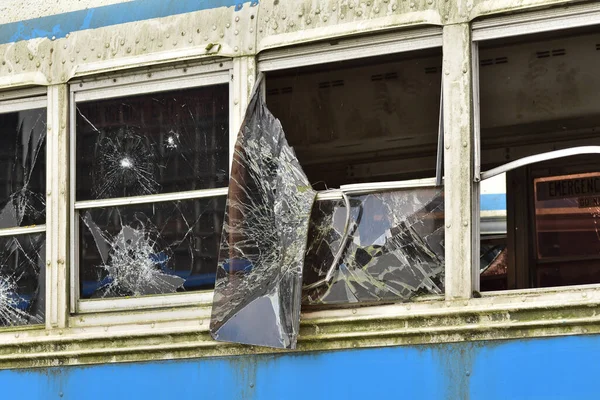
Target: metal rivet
{"type": "Point", "coordinates": [235, 48]}
{"type": "Point", "coordinates": [153, 325]}
{"type": "Point", "coordinates": [447, 146]}
{"type": "Point", "coordinates": [99, 55]}
{"type": "Point", "coordinates": [394, 7]}
{"type": "Point", "coordinates": [214, 27]}
{"type": "Point", "coordinates": [283, 17]}
{"type": "Point", "coordinates": [174, 43]}
{"type": "Point", "coordinates": [465, 223]}
{"type": "Point", "coordinates": [53, 37]}
{"type": "Point", "coordinates": [16, 335]}
{"type": "Point", "coordinates": [237, 19]}
{"type": "Point", "coordinates": [325, 18]}
{"type": "Point", "coordinates": [317, 11]}
{"type": "Point", "coordinates": [30, 57]}
{"type": "Point", "coordinates": [137, 41]}
{"type": "Point", "coordinates": [107, 45]}
{"type": "Point", "coordinates": [235, 102]}
{"type": "Point", "coordinates": [376, 10]}
{"type": "Point", "coordinates": [250, 47]}
{"type": "Point", "coordinates": [464, 144]}
{"type": "Point", "coordinates": [168, 35]}
{"type": "Point", "coordinates": [359, 12]}
{"type": "Point", "coordinates": [251, 30]}
{"type": "Point", "coordinates": [354, 311]}
{"type": "Point", "coordinates": [106, 329]}
{"type": "Point", "coordinates": [448, 225]}
{"type": "Point", "coordinates": [236, 32]}
{"type": "Point", "coordinates": [129, 49]}
{"type": "Point", "coordinates": [308, 21]}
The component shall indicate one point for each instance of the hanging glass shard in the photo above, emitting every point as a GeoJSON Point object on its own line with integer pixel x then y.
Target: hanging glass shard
{"type": "Point", "coordinates": [259, 276]}
{"type": "Point", "coordinates": [394, 249]}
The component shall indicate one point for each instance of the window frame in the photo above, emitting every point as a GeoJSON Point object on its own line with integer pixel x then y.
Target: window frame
{"type": "Point", "coordinates": [154, 80]}
{"type": "Point", "coordinates": [520, 25]}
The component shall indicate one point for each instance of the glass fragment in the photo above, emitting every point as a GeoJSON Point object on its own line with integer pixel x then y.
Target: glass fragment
{"type": "Point", "coordinates": [394, 250]}
{"type": "Point", "coordinates": [150, 144]}
{"type": "Point", "coordinates": [23, 160]}
{"type": "Point", "coordinates": [154, 248]}
{"type": "Point", "coordinates": [22, 279]}
{"type": "Point", "coordinates": [259, 276]}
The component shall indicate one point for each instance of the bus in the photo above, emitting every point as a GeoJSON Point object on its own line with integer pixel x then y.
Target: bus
{"type": "Point", "coordinates": [325, 199]}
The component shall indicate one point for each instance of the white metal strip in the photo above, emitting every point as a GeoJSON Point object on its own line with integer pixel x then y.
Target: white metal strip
{"type": "Point", "coordinates": [22, 230]}
{"type": "Point", "coordinates": [132, 303]}
{"type": "Point", "coordinates": [154, 198]}
{"type": "Point", "coordinates": [381, 186]}
{"type": "Point", "coordinates": [182, 82]}
{"type": "Point", "coordinates": [73, 228]}
{"type": "Point", "coordinates": [535, 22]}
{"type": "Point", "coordinates": [23, 93]}
{"type": "Point", "coordinates": [23, 104]}
{"type": "Point", "coordinates": [346, 49]}
{"type": "Point", "coordinates": [573, 151]}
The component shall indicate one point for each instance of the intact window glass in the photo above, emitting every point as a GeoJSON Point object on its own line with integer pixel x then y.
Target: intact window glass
{"type": "Point", "coordinates": [153, 143]}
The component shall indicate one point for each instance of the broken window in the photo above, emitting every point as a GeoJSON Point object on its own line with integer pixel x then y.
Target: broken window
{"type": "Point", "coordinates": [355, 244]}
{"type": "Point", "coordinates": [392, 247]}
{"type": "Point", "coordinates": [22, 215]}
{"type": "Point", "coordinates": [151, 173]}
{"type": "Point", "coordinates": [360, 122]}
{"type": "Point", "coordinates": [538, 95]}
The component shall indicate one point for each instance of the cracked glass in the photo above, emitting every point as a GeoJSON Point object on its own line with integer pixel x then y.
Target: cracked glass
{"type": "Point", "coordinates": [144, 145]}
{"type": "Point", "coordinates": [23, 162]}
{"type": "Point", "coordinates": [153, 143]}
{"type": "Point", "coordinates": [22, 279]}
{"type": "Point", "coordinates": [22, 204]}
{"type": "Point", "coordinates": [393, 249]}
{"type": "Point", "coordinates": [155, 248]}
{"type": "Point", "coordinates": [259, 276]}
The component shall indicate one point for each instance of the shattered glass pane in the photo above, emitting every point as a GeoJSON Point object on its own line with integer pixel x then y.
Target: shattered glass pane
{"type": "Point", "coordinates": [259, 276]}
{"type": "Point", "coordinates": [23, 162]}
{"type": "Point", "coordinates": [22, 279]}
{"type": "Point", "coordinates": [393, 252]}
{"type": "Point", "coordinates": [147, 249]}
{"type": "Point", "coordinates": [149, 144]}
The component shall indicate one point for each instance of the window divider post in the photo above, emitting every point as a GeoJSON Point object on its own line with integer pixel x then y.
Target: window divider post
{"type": "Point", "coordinates": [57, 207]}
{"type": "Point", "coordinates": [458, 160]}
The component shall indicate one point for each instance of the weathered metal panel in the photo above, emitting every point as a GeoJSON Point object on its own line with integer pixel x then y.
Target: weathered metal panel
{"type": "Point", "coordinates": [558, 368]}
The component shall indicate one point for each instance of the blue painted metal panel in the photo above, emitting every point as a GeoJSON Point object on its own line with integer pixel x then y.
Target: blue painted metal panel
{"type": "Point", "coordinates": [555, 368]}
{"type": "Point", "coordinates": [493, 202]}
{"type": "Point", "coordinates": [61, 24]}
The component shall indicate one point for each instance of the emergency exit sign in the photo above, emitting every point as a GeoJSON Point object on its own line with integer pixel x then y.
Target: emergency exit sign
{"type": "Point", "coordinates": [584, 187]}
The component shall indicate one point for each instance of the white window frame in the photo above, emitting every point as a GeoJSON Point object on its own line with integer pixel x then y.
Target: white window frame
{"type": "Point", "coordinates": [521, 25]}
{"type": "Point", "coordinates": [149, 81]}
{"type": "Point", "coordinates": [23, 100]}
